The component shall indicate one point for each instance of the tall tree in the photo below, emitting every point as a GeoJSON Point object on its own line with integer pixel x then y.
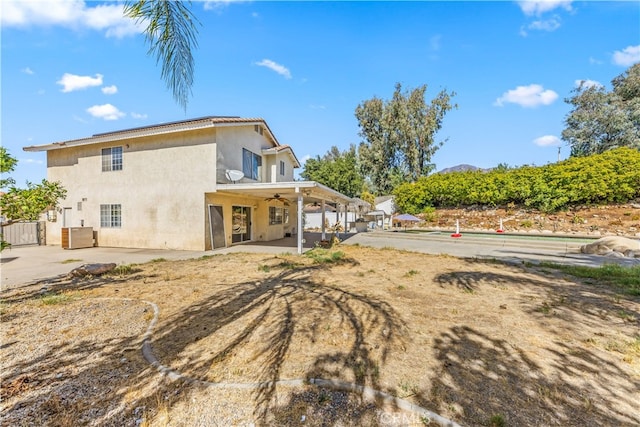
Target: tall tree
{"type": "Point", "coordinates": [336, 169]}
{"type": "Point", "coordinates": [171, 34]}
{"type": "Point", "coordinates": [602, 120]}
{"type": "Point", "coordinates": [24, 204]}
{"type": "Point", "coordinates": [399, 136]}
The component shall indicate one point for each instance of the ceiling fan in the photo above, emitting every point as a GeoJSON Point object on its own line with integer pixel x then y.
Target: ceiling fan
{"type": "Point", "coordinates": [278, 198]}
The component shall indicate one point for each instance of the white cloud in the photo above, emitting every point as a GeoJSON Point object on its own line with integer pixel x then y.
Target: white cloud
{"type": "Point", "coordinates": [71, 82]}
{"type": "Point", "coordinates": [588, 83]}
{"type": "Point", "coordinates": [527, 96]}
{"type": "Point", "coordinates": [547, 141]}
{"type": "Point", "coordinates": [110, 90]}
{"type": "Point", "coordinates": [139, 116]}
{"type": "Point", "coordinates": [538, 7]}
{"type": "Point", "coordinates": [305, 158]}
{"type": "Point", "coordinates": [79, 119]}
{"type": "Point", "coordinates": [317, 107]}
{"type": "Point", "coordinates": [594, 61]}
{"type": "Point", "coordinates": [28, 70]}
{"type": "Point", "coordinates": [32, 161]}
{"type": "Point", "coordinates": [627, 57]}
{"type": "Point", "coordinates": [219, 4]}
{"type": "Point", "coordinates": [549, 25]}
{"type": "Point", "coordinates": [280, 69]}
{"type": "Point", "coordinates": [72, 14]}
{"type": "Point", "coordinates": [106, 112]}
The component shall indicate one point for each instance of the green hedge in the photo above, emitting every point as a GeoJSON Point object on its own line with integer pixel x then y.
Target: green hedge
{"type": "Point", "coordinates": [610, 177]}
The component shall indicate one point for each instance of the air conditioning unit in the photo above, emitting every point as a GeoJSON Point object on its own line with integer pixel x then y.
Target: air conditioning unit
{"type": "Point", "coordinates": [77, 237]}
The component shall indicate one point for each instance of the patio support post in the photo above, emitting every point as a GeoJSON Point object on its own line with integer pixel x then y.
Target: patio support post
{"type": "Point", "coordinates": [300, 225]}
{"type": "Point", "coordinates": [322, 227]}
{"type": "Point", "coordinates": [346, 218]}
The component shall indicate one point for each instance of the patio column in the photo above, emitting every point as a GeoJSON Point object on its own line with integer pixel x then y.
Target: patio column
{"type": "Point", "coordinates": [300, 225]}
{"type": "Point", "coordinates": [324, 231]}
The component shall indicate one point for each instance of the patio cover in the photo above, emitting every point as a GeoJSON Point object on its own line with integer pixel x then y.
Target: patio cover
{"type": "Point", "coordinates": [300, 191]}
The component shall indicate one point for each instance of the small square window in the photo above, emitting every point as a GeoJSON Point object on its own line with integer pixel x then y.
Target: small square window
{"type": "Point", "coordinates": [111, 216]}
{"type": "Point", "coordinates": [275, 215]}
{"type": "Point", "coordinates": [112, 159]}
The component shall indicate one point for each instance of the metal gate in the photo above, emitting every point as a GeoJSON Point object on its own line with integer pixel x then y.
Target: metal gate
{"type": "Point", "coordinates": [24, 233]}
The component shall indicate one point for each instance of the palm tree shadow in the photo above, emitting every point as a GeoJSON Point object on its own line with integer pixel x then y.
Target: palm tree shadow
{"type": "Point", "coordinates": [515, 388]}
{"type": "Point", "coordinates": [267, 317]}
{"type": "Point", "coordinates": [470, 280]}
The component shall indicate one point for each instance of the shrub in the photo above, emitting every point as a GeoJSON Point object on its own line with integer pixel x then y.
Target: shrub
{"type": "Point", "coordinates": [610, 177]}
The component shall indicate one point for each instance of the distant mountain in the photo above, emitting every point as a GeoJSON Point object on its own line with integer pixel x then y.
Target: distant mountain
{"type": "Point", "coordinates": [459, 168]}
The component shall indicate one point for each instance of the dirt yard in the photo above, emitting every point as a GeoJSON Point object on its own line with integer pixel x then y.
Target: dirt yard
{"type": "Point", "coordinates": [596, 221]}
{"type": "Point", "coordinates": [477, 342]}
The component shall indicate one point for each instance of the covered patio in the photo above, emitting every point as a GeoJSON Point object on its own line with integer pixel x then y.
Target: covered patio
{"type": "Point", "coordinates": [298, 193]}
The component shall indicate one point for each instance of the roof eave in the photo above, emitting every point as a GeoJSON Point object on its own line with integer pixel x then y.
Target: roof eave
{"type": "Point", "coordinates": [150, 131]}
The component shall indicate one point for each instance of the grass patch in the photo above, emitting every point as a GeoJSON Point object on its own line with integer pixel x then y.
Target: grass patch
{"type": "Point", "coordinates": [411, 273]}
{"type": "Point", "coordinates": [264, 268]}
{"type": "Point", "coordinates": [56, 299]}
{"type": "Point", "coordinates": [70, 260]}
{"type": "Point", "coordinates": [288, 265]}
{"type": "Point", "coordinates": [497, 420]}
{"type": "Point", "coordinates": [627, 317]}
{"type": "Point", "coordinates": [325, 256]}
{"type": "Point", "coordinates": [123, 269]}
{"type": "Point", "coordinates": [627, 279]}
{"type": "Point", "coordinates": [158, 260]}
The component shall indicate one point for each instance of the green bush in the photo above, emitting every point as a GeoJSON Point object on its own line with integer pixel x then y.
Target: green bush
{"type": "Point", "coordinates": [610, 177]}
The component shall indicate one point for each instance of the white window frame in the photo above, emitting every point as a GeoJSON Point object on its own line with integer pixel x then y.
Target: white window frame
{"type": "Point", "coordinates": [251, 163]}
{"type": "Point", "coordinates": [111, 215]}
{"type": "Point", "coordinates": [112, 159]}
{"type": "Point", "coordinates": [276, 215]}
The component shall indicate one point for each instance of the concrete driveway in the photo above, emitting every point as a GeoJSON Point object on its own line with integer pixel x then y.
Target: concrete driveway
{"type": "Point", "coordinates": [504, 247]}
{"type": "Point", "coordinates": [29, 264]}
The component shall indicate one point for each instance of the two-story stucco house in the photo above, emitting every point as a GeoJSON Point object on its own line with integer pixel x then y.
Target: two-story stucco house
{"type": "Point", "coordinates": [178, 185]}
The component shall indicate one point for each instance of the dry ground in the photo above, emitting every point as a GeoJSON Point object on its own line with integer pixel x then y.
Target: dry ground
{"type": "Point", "coordinates": [480, 343]}
{"type": "Point", "coordinates": [596, 221]}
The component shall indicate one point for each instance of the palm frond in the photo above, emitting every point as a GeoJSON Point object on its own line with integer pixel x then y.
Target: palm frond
{"type": "Point", "coordinates": [171, 33]}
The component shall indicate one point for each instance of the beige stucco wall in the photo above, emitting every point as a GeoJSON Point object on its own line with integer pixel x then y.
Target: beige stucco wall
{"type": "Point", "coordinates": [163, 189]}
{"type": "Point", "coordinates": [229, 156]}
{"type": "Point", "coordinates": [160, 189]}
{"type": "Point", "coordinates": [271, 167]}
{"type": "Point", "coordinates": [261, 230]}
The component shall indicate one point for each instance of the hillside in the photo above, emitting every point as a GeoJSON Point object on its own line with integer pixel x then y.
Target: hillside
{"type": "Point", "coordinates": [622, 220]}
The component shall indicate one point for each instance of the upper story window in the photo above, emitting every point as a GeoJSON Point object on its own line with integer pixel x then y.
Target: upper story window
{"type": "Point", "coordinates": [258, 129]}
{"type": "Point", "coordinates": [112, 159]}
{"type": "Point", "coordinates": [250, 164]}
{"type": "Point", "coordinates": [281, 168]}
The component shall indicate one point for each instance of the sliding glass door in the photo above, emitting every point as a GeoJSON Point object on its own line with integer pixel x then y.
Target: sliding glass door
{"type": "Point", "coordinates": [241, 224]}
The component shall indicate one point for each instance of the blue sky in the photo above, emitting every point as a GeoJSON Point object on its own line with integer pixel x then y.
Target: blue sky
{"type": "Point", "coordinates": [71, 69]}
